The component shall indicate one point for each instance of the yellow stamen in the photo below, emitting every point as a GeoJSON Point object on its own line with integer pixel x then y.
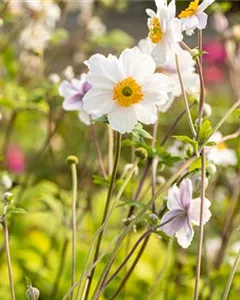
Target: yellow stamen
{"type": "Point", "coordinates": [190, 11]}
{"type": "Point", "coordinates": [127, 92]}
{"type": "Point", "coordinates": [221, 146]}
{"type": "Point", "coordinates": [155, 30]}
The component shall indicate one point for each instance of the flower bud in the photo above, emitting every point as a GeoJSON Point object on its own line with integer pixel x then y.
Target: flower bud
{"type": "Point", "coordinates": [207, 110]}
{"type": "Point", "coordinates": [32, 293]}
{"type": "Point", "coordinates": [197, 182]}
{"type": "Point", "coordinates": [6, 182]}
{"type": "Point", "coordinates": [68, 73]}
{"type": "Point", "coordinates": [153, 219]}
{"type": "Point", "coordinates": [160, 180]}
{"type": "Point", "coordinates": [54, 78]}
{"type": "Point", "coordinates": [141, 153]}
{"type": "Point", "coordinates": [7, 197]}
{"type": "Point", "coordinates": [194, 52]}
{"type": "Point", "coordinates": [72, 160]}
{"type": "Point", "coordinates": [211, 169]}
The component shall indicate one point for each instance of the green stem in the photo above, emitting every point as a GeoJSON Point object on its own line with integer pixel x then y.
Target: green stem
{"type": "Point", "coordinates": [106, 209]}
{"type": "Point", "coordinates": [230, 279]}
{"type": "Point", "coordinates": [185, 98]}
{"type": "Point", "coordinates": [74, 222]}
{"type": "Point", "coordinates": [7, 249]}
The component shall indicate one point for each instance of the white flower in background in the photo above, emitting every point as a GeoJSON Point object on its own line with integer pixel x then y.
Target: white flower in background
{"type": "Point", "coordinates": [220, 154]}
{"type": "Point", "coordinates": [73, 92]}
{"type": "Point", "coordinates": [194, 16]}
{"type": "Point", "coordinates": [187, 67]}
{"type": "Point", "coordinates": [164, 30]}
{"type": "Point", "coordinates": [35, 36]}
{"type": "Point", "coordinates": [96, 27]}
{"type": "Point", "coordinates": [212, 247]}
{"type": "Point", "coordinates": [183, 212]}
{"type": "Point", "coordinates": [68, 72]}
{"type": "Point", "coordinates": [126, 89]}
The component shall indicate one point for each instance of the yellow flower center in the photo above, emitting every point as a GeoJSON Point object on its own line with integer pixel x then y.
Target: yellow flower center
{"type": "Point", "coordinates": [155, 30]}
{"type": "Point", "coordinates": [221, 146]}
{"type": "Point", "coordinates": [127, 92]}
{"type": "Point", "coordinates": [190, 11]}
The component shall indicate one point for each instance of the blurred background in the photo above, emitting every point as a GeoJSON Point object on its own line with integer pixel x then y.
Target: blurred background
{"type": "Point", "coordinates": [45, 42]}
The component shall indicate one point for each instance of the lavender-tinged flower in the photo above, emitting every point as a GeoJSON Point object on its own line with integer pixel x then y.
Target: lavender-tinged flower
{"type": "Point", "coordinates": [73, 92]}
{"type": "Point", "coordinates": [183, 212]}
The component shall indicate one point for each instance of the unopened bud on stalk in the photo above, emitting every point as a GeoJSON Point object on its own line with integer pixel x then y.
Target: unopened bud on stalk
{"type": "Point", "coordinates": [197, 182]}
{"type": "Point", "coordinates": [207, 110]}
{"type": "Point", "coordinates": [153, 219]}
{"type": "Point", "coordinates": [72, 160]}
{"type": "Point", "coordinates": [160, 180]}
{"type": "Point", "coordinates": [7, 197]}
{"type": "Point", "coordinates": [54, 78]}
{"type": "Point", "coordinates": [141, 153]}
{"type": "Point", "coordinates": [194, 52]}
{"type": "Point", "coordinates": [32, 293]}
{"type": "Point", "coordinates": [211, 169]}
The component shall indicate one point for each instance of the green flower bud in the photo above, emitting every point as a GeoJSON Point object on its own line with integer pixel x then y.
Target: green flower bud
{"type": "Point", "coordinates": [211, 169]}
{"type": "Point", "coordinates": [72, 160]}
{"type": "Point", "coordinates": [32, 293]}
{"type": "Point", "coordinates": [141, 153]}
{"type": "Point", "coordinates": [7, 197]}
{"type": "Point", "coordinates": [153, 219]}
{"type": "Point", "coordinates": [207, 110]}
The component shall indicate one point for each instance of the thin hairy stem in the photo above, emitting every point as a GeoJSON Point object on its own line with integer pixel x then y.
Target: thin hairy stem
{"type": "Point", "coordinates": [106, 209]}
{"type": "Point", "coordinates": [110, 149]}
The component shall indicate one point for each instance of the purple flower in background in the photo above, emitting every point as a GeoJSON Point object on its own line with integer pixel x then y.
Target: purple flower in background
{"type": "Point", "coordinates": [216, 53]}
{"type": "Point", "coordinates": [73, 92]}
{"type": "Point", "coordinates": [183, 212]}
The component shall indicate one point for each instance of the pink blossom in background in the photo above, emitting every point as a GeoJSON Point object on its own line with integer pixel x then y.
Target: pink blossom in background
{"type": "Point", "coordinates": [216, 53]}
{"type": "Point", "coordinates": [213, 75]}
{"type": "Point", "coordinates": [15, 159]}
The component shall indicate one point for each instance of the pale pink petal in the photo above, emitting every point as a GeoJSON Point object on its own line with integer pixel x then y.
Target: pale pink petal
{"type": "Point", "coordinates": [194, 211]}
{"type": "Point", "coordinates": [173, 221]}
{"type": "Point", "coordinates": [174, 201]}
{"type": "Point", "coordinates": [185, 234]}
{"type": "Point", "coordinates": [186, 193]}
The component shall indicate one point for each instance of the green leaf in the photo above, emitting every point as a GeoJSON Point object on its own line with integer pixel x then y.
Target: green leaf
{"type": "Point", "coordinates": [99, 180]}
{"type": "Point", "coordinates": [205, 131]}
{"type": "Point", "coordinates": [211, 144]}
{"type": "Point", "coordinates": [139, 133]}
{"type": "Point", "coordinates": [187, 140]}
{"type": "Point", "coordinates": [15, 210]}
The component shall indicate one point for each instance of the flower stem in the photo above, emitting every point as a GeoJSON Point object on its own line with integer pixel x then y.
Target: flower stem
{"type": "Point", "coordinates": [185, 98]}
{"type": "Point", "coordinates": [74, 222]}
{"type": "Point", "coordinates": [6, 245]}
{"type": "Point", "coordinates": [230, 279]}
{"type": "Point", "coordinates": [110, 149]}
{"type": "Point", "coordinates": [106, 209]}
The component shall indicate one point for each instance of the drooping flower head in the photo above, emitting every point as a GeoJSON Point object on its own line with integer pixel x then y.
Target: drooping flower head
{"type": "Point", "coordinates": [73, 92]}
{"type": "Point", "coordinates": [183, 212]}
{"type": "Point", "coordinates": [126, 89]}
{"type": "Point", "coordinates": [187, 67]}
{"type": "Point", "coordinates": [194, 16]}
{"type": "Point", "coordinates": [220, 154]}
{"type": "Point", "coordinates": [164, 30]}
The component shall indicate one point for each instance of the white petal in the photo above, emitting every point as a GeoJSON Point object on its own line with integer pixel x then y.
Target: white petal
{"type": "Point", "coordinates": [158, 82]}
{"type": "Point", "coordinates": [84, 117]}
{"type": "Point", "coordinates": [122, 119]}
{"type": "Point", "coordinates": [156, 97]}
{"type": "Point", "coordinates": [172, 9]}
{"type": "Point", "coordinates": [160, 53]}
{"type": "Point", "coordinates": [174, 31]}
{"type": "Point", "coordinates": [204, 5]}
{"type": "Point", "coordinates": [150, 13]}
{"type": "Point", "coordinates": [186, 192]}
{"type": "Point", "coordinates": [136, 64]}
{"type": "Point", "coordinates": [98, 101]}
{"type": "Point", "coordinates": [160, 3]}
{"type": "Point", "coordinates": [100, 81]}
{"type": "Point", "coordinates": [202, 20]}
{"type": "Point", "coordinates": [185, 234]}
{"type": "Point", "coordinates": [174, 201]}
{"type": "Point", "coordinates": [194, 211]}
{"type": "Point", "coordinates": [165, 107]}
{"type": "Point", "coordinates": [77, 84]}
{"type": "Point", "coordinates": [146, 113]}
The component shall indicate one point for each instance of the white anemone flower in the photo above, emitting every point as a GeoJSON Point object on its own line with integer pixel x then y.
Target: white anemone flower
{"type": "Point", "coordinates": [73, 92]}
{"type": "Point", "coordinates": [126, 89]}
{"type": "Point", "coordinates": [194, 16]}
{"type": "Point", "coordinates": [183, 212]}
{"type": "Point", "coordinates": [220, 154]}
{"type": "Point", "coordinates": [187, 68]}
{"type": "Point", "coordinates": [164, 30]}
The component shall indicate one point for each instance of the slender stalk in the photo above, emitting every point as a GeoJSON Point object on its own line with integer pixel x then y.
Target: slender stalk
{"type": "Point", "coordinates": [185, 98]}
{"type": "Point", "coordinates": [74, 221]}
{"type": "Point", "coordinates": [99, 154]}
{"type": "Point", "coordinates": [230, 279]}
{"type": "Point", "coordinates": [201, 229]}
{"type": "Point", "coordinates": [106, 209]}
{"type": "Point", "coordinates": [110, 149]}
{"type": "Point", "coordinates": [7, 250]}
{"type": "Point", "coordinates": [9, 130]}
